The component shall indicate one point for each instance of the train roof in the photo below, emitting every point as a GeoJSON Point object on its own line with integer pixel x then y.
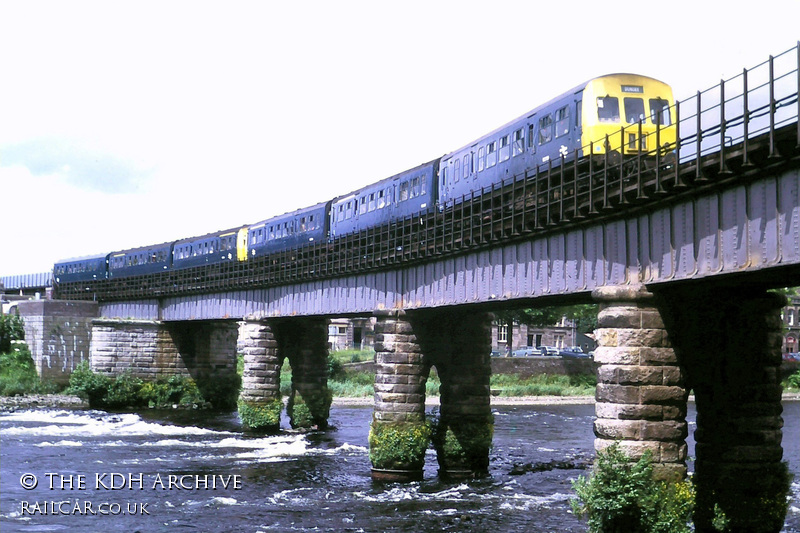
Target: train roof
{"type": "Point", "coordinates": [142, 248]}
{"type": "Point", "coordinates": [546, 105]}
{"type": "Point", "coordinates": [212, 234]}
{"type": "Point", "coordinates": [290, 214]}
{"type": "Point", "coordinates": [81, 258]}
{"type": "Point", "coordinates": [381, 183]}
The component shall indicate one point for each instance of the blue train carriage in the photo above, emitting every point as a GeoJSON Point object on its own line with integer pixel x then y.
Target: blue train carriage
{"type": "Point", "coordinates": [136, 261]}
{"type": "Point", "coordinates": [565, 126]}
{"type": "Point", "coordinates": [88, 268]}
{"type": "Point", "coordinates": [218, 247]}
{"type": "Point", "coordinates": [290, 230]}
{"type": "Point", "coordinates": [409, 193]}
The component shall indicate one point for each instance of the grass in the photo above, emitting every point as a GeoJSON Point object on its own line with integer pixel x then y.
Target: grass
{"type": "Point", "coordinates": [359, 384]}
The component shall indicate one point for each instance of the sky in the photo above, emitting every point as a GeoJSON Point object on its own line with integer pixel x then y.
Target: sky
{"type": "Point", "coordinates": [130, 123]}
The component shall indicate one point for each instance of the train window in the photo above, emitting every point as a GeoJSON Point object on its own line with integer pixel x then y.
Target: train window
{"type": "Point", "coordinates": [457, 170]}
{"type": "Point", "coordinates": [491, 154]}
{"type": "Point", "coordinates": [578, 113]}
{"type": "Point", "coordinates": [340, 214]}
{"type": "Point", "coordinates": [531, 144]}
{"type": "Point", "coordinates": [422, 182]}
{"type": "Point", "coordinates": [634, 110]}
{"type": "Point", "coordinates": [381, 199]}
{"type": "Point", "coordinates": [371, 205]}
{"type": "Point", "coordinates": [659, 111]}
{"type": "Point", "coordinates": [562, 121]}
{"type": "Point", "coordinates": [389, 195]}
{"type": "Point", "coordinates": [518, 145]}
{"type": "Point", "coordinates": [607, 109]}
{"type": "Point", "coordinates": [444, 177]}
{"type": "Point", "coordinates": [545, 129]}
{"type": "Point", "coordinates": [467, 165]}
{"type": "Point", "coordinates": [505, 149]}
{"type": "Point", "coordinates": [362, 207]}
{"type": "Point", "coordinates": [403, 192]}
{"type": "Point", "coordinates": [480, 159]}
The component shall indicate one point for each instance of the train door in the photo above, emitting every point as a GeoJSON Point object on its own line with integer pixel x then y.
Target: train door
{"type": "Point", "coordinates": [241, 244]}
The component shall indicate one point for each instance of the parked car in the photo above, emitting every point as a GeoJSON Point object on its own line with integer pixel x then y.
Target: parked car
{"type": "Point", "coordinates": [791, 357]}
{"type": "Point", "coordinates": [574, 352]}
{"type": "Point", "coordinates": [498, 353]}
{"type": "Point", "coordinates": [527, 351]}
{"type": "Point", "coordinates": [548, 350]}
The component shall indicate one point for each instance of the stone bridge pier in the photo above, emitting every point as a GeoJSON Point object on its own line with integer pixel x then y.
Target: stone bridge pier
{"type": "Point", "coordinates": [724, 346]}
{"type": "Point", "coordinates": [266, 344]}
{"type": "Point", "coordinates": [458, 344]}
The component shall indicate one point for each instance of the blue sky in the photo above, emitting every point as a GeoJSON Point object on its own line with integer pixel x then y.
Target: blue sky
{"type": "Point", "coordinates": [129, 123]}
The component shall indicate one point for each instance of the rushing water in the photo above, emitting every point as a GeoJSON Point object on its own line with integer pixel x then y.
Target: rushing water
{"type": "Point", "coordinates": [292, 481]}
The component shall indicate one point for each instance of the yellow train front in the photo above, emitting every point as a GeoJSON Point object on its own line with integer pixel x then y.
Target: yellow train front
{"type": "Point", "coordinates": [603, 116]}
{"type": "Point", "coordinates": [627, 114]}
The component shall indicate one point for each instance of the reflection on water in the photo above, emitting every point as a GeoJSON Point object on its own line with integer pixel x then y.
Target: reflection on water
{"type": "Point", "coordinates": [165, 464]}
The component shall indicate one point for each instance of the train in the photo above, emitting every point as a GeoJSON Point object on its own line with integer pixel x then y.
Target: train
{"type": "Point", "coordinates": [608, 117]}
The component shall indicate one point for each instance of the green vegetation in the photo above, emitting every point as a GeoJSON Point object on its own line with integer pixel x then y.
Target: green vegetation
{"type": "Point", "coordinates": [18, 374]}
{"type": "Point", "coordinates": [620, 496]}
{"type": "Point", "coordinates": [219, 392]}
{"type": "Point", "coordinates": [544, 385]}
{"type": "Point", "coordinates": [792, 383]}
{"type": "Point", "coordinates": [260, 417]}
{"type": "Point", "coordinates": [398, 445]}
{"type": "Point", "coordinates": [463, 445]}
{"type": "Point", "coordinates": [10, 330]}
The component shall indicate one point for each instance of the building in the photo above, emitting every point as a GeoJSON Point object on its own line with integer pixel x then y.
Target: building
{"type": "Point", "coordinates": [791, 325]}
{"type": "Point", "coordinates": [561, 335]}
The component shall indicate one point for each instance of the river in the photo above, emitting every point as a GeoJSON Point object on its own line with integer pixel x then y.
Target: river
{"type": "Point", "coordinates": [97, 471]}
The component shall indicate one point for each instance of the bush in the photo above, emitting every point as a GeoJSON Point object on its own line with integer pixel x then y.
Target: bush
{"type": "Point", "coordinates": [794, 380]}
{"type": "Point", "coordinates": [128, 391]}
{"type": "Point", "coordinates": [88, 385]}
{"type": "Point", "coordinates": [10, 330]}
{"type": "Point", "coordinates": [621, 497]}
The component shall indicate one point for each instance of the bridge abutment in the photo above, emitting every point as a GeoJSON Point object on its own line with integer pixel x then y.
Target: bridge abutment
{"type": "Point", "coordinates": [458, 343]}
{"type": "Point", "coordinates": [260, 403]}
{"type": "Point", "coordinates": [735, 375]}
{"type": "Point", "coordinates": [641, 396]}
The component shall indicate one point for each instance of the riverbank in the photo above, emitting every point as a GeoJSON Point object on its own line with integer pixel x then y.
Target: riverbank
{"type": "Point", "coordinates": [64, 401]}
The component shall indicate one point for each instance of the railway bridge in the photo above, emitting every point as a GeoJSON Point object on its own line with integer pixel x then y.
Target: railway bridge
{"type": "Point", "coordinates": [680, 254]}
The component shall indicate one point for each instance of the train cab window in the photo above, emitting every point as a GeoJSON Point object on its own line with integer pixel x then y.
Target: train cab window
{"type": "Point", "coordinates": [518, 145]}
{"type": "Point", "coordinates": [371, 205]}
{"type": "Point", "coordinates": [491, 154]}
{"type": "Point", "coordinates": [457, 170]}
{"type": "Point", "coordinates": [607, 109]}
{"type": "Point", "coordinates": [562, 121]}
{"type": "Point", "coordinates": [480, 159]}
{"type": "Point", "coordinates": [505, 148]}
{"type": "Point", "coordinates": [634, 110]}
{"type": "Point", "coordinates": [467, 165]}
{"type": "Point", "coordinates": [362, 208]}
{"type": "Point", "coordinates": [545, 129]}
{"type": "Point", "coordinates": [659, 111]}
